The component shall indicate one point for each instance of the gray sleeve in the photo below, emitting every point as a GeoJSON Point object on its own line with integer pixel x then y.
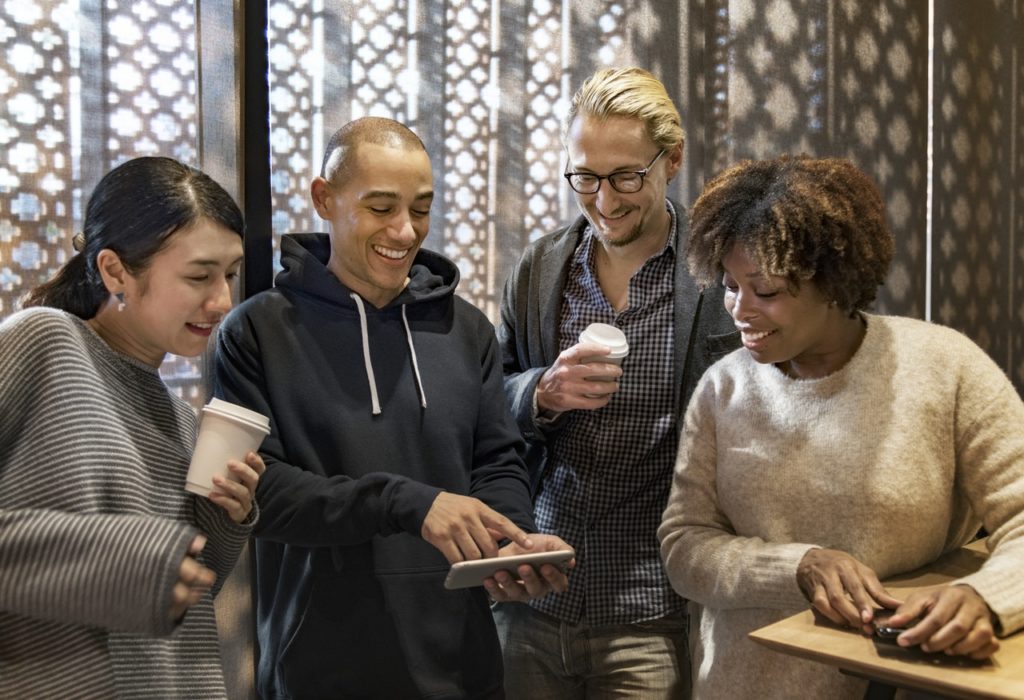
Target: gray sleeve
{"type": "Point", "coordinates": [115, 572]}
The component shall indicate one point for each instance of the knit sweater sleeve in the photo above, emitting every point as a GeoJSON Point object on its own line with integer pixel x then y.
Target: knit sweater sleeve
{"type": "Point", "coordinates": [706, 561]}
{"type": "Point", "coordinates": [110, 570]}
{"type": "Point", "coordinates": [990, 468]}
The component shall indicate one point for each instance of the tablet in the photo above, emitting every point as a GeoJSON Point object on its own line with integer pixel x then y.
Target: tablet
{"type": "Point", "coordinates": [472, 573]}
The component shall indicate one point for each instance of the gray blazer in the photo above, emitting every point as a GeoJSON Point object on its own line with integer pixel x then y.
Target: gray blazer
{"type": "Point", "coordinates": [528, 329]}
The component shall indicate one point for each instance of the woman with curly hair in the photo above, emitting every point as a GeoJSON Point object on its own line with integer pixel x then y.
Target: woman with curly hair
{"type": "Point", "coordinates": [835, 449]}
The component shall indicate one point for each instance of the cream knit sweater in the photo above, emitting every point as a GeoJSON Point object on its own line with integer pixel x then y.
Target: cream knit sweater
{"type": "Point", "coordinates": [896, 458]}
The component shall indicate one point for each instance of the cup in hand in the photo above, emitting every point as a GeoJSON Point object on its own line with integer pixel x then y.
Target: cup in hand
{"type": "Point", "coordinates": [605, 334]}
{"type": "Point", "coordinates": [226, 431]}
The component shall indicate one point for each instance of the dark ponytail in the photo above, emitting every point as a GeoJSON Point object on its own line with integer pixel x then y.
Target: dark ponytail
{"type": "Point", "coordinates": [134, 210]}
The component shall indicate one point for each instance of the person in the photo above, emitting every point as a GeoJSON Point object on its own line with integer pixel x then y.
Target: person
{"type": "Point", "coordinates": [601, 452]}
{"type": "Point", "coordinates": [108, 567]}
{"type": "Point", "coordinates": [391, 453]}
{"type": "Point", "coordinates": [839, 447]}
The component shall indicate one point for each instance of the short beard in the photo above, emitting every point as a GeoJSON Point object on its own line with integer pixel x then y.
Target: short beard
{"type": "Point", "coordinates": [632, 237]}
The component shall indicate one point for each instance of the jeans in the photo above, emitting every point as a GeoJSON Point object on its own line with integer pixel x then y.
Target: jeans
{"type": "Point", "coordinates": [549, 659]}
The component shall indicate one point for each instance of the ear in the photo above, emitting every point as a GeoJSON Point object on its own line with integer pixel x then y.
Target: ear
{"type": "Point", "coordinates": [111, 270]}
{"type": "Point", "coordinates": [320, 193]}
{"type": "Point", "coordinates": [674, 156]}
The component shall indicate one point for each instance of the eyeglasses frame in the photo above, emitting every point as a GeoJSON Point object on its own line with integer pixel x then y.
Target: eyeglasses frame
{"type": "Point", "coordinates": [642, 173]}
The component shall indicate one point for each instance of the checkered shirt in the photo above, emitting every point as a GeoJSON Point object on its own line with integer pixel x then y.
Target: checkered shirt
{"type": "Point", "coordinates": [609, 470]}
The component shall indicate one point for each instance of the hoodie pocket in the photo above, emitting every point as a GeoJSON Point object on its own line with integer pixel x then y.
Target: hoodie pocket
{"type": "Point", "coordinates": [346, 644]}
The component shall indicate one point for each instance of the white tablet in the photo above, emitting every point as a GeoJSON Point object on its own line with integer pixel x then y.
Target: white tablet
{"type": "Point", "coordinates": [472, 573]}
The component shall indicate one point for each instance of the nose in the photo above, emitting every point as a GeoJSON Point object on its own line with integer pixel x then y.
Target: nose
{"type": "Point", "coordinates": [221, 301]}
{"type": "Point", "coordinates": [403, 229]}
{"type": "Point", "coordinates": [607, 198]}
{"type": "Point", "coordinates": [740, 306]}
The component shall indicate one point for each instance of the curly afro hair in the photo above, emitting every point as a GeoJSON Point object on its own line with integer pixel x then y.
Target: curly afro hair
{"type": "Point", "coordinates": [818, 219]}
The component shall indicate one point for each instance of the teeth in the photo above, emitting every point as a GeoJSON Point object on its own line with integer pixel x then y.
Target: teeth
{"type": "Point", "coordinates": [391, 252]}
{"type": "Point", "coordinates": [204, 325]}
{"type": "Point", "coordinates": [757, 336]}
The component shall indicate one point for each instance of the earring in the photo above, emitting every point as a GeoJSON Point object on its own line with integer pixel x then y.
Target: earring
{"type": "Point", "coordinates": [120, 301]}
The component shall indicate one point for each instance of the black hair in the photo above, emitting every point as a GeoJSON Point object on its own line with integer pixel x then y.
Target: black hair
{"type": "Point", "coordinates": [133, 211]}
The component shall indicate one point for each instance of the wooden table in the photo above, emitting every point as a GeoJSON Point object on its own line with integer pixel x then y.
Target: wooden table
{"type": "Point", "coordinates": [819, 640]}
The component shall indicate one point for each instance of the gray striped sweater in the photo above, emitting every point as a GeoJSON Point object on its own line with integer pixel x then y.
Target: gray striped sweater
{"type": "Point", "coordinates": [94, 523]}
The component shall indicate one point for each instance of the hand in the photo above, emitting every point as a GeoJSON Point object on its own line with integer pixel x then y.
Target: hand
{"type": "Point", "coordinates": [565, 385]}
{"type": "Point", "coordinates": [235, 494]}
{"type": "Point", "coordinates": [504, 587]}
{"type": "Point", "coordinates": [194, 580]}
{"type": "Point", "coordinates": [954, 620]}
{"type": "Point", "coordinates": [466, 528]}
{"type": "Point", "coordinates": [841, 588]}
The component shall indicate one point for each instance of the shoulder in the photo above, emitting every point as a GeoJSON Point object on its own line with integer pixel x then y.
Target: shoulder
{"type": "Point", "coordinates": [266, 304]}
{"type": "Point", "coordinates": [926, 340]}
{"type": "Point", "coordinates": [562, 240]}
{"type": "Point", "coordinates": [42, 327]}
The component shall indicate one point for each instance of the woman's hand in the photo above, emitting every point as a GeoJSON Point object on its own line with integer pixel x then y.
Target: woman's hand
{"type": "Point", "coordinates": [235, 494]}
{"type": "Point", "coordinates": [194, 580]}
{"type": "Point", "coordinates": [841, 588]}
{"type": "Point", "coordinates": [954, 620]}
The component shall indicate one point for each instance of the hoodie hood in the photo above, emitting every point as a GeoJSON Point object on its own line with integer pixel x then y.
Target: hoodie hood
{"type": "Point", "coordinates": [432, 277]}
{"type": "Point", "coordinates": [304, 259]}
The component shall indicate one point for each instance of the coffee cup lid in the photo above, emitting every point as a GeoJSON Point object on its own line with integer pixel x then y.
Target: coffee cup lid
{"type": "Point", "coordinates": [241, 412]}
{"type": "Point", "coordinates": [609, 335]}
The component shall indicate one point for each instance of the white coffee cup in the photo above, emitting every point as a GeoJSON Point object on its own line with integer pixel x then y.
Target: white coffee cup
{"type": "Point", "coordinates": [226, 431]}
{"type": "Point", "coordinates": [605, 334]}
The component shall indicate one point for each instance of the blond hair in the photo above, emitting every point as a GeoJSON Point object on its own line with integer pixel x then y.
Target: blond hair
{"type": "Point", "coordinates": [633, 93]}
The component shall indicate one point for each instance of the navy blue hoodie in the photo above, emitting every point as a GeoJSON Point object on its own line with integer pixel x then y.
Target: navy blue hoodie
{"type": "Point", "coordinates": [372, 415]}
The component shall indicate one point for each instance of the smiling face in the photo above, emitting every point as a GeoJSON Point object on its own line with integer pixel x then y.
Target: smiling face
{"type": "Point", "coordinates": [602, 147]}
{"type": "Point", "coordinates": [175, 303]}
{"type": "Point", "coordinates": [379, 217]}
{"type": "Point", "coordinates": [797, 330]}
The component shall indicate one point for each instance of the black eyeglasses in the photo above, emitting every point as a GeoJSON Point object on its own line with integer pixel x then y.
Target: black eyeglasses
{"type": "Point", "coordinates": [624, 181]}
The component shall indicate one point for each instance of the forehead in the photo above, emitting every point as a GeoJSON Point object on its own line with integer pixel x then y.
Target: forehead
{"type": "Point", "coordinates": [615, 142]}
{"type": "Point", "coordinates": [205, 240]}
{"type": "Point", "coordinates": [377, 168]}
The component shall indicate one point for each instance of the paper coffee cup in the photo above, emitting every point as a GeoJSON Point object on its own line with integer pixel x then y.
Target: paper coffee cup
{"type": "Point", "coordinates": [605, 334]}
{"type": "Point", "coordinates": [226, 431]}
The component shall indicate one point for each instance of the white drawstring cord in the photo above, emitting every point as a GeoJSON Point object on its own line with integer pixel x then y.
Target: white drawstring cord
{"type": "Point", "coordinates": [415, 364]}
{"type": "Point", "coordinates": [366, 355]}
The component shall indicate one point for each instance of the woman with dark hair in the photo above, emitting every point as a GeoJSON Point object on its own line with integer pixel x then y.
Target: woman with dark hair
{"type": "Point", "coordinates": [835, 449]}
{"type": "Point", "coordinates": [107, 566]}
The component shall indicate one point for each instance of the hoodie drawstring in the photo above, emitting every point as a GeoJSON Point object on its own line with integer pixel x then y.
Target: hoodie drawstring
{"type": "Point", "coordinates": [415, 364]}
{"type": "Point", "coordinates": [366, 355]}
{"type": "Point", "coordinates": [374, 399]}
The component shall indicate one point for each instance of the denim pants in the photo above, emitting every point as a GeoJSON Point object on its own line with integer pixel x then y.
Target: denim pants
{"type": "Point", "coordinates": [546, 659]}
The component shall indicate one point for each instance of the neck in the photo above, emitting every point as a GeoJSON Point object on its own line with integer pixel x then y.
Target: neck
{"type": "Point", "coordinates": [849, 334]}
{"type": "Point", "coordinates": [111, 326]}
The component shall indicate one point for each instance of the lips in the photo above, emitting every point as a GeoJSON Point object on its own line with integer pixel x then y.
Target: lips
{"type": "Point", "coordinates": [390, 253]}
{"type": "Point", "coordinates": [754, 339]}
{"type": "Point", "coordinates": [203, 328]}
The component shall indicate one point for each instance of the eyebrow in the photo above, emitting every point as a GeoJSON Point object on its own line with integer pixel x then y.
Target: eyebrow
{"type": "Point", "coordinates": [375, 194]}
{"type": "Point", "coordinates": [215, 263]}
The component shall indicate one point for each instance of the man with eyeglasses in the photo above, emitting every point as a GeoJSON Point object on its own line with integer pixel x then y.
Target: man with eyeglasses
{"type": "Point", "coordinates": [602, 439]}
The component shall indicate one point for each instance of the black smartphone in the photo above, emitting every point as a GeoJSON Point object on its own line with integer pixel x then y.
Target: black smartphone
{"type": "Point", "coordinates": [883, 630]}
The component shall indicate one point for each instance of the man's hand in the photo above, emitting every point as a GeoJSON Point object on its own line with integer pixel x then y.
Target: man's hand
{"type": "Point", "coordinates": [504, 587]}
{"type": "Point", "coordinates": [194, 580]}
{"type": "Point", "coordinates": [954, 620]}
{"type": "Point", "coordinates": [571, 383]}
{"type": "Point", "coordinates": [841, 588]}
{"type": "Point", "coordinates": [466, 528]}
